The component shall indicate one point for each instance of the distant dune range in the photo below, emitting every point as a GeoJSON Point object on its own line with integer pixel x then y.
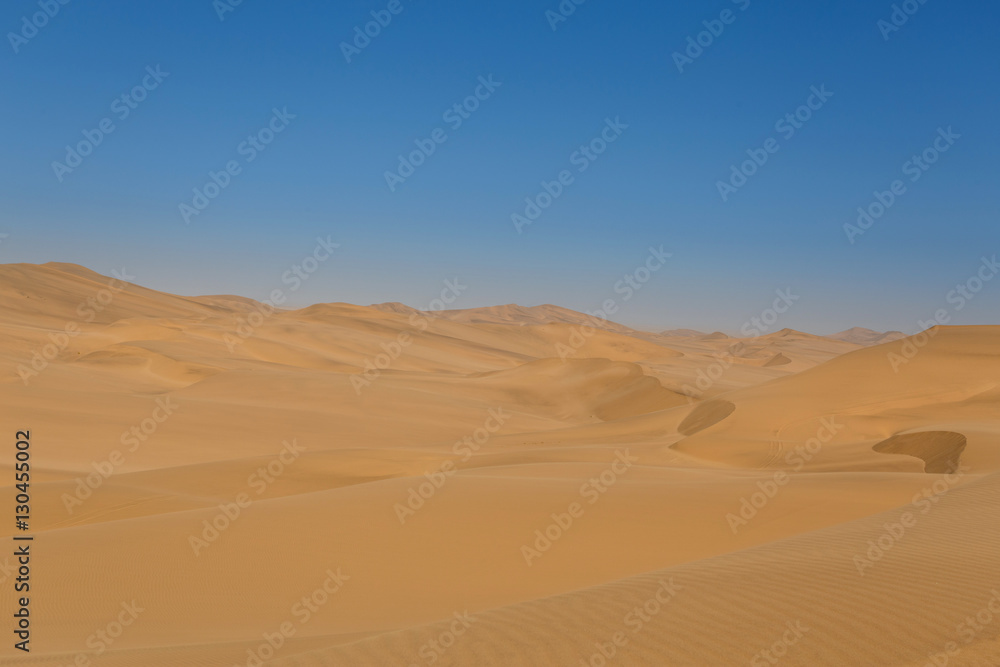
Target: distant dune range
{"type": "Point", "coordinates": [784, 481]}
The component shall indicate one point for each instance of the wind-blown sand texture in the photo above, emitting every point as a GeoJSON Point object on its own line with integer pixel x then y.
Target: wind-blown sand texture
{"type": "Point", "coordinates": [799, 495]}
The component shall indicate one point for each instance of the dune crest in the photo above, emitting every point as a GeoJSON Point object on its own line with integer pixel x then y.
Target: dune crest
{"type": "Point", "coordinates": [705, 415]}
{"type": "Point", "coordinates": [500, 486]}
{"type": "Point", "coordinates": [941, 451]}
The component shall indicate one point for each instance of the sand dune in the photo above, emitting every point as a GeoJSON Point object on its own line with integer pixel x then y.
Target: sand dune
{"type": "Point", "coordinates": [863, 336]}
{"type": "Point", "coordinates": [498, 486]}
{"type": "Point", "coordinates": [803, 599]}
{"type": "Point", "coordinates": [520, 315]}
{"type": "Point", "coordinates": [683, 333]}
{"type": "Point", "coordinates": [705, 414]}
{"type": "Point", "coordinates": [941, 451]}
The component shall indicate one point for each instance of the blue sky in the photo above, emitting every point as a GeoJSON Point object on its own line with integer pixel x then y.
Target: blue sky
{"type": "Point", "coordinates": [324, 173]}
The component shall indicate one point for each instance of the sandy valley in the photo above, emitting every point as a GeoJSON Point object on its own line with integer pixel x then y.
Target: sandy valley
{"type": "Point", "coordinates": [215, 483]}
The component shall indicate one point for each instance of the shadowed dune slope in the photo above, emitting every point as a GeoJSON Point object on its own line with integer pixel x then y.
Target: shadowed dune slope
{"type": "Point", "coordinates": [870, 395]}
{"type": "Point", "coordinates": [940, 451]}
{"type": "Point", "coordinates": [553, 484]}
{"type": "Point", "coordinates": [704, 415]}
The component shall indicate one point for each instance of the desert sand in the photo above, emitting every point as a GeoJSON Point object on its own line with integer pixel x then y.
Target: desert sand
{"type": "Point", "coordinates": [218, 483]}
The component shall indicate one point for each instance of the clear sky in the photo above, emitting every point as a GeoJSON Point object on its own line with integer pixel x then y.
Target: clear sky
{"type": "Point", "coordinates": [888, 92]}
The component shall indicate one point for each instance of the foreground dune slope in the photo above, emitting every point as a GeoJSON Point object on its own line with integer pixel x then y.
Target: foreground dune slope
{"type": "Point", "coordinates": [427, 462]}
{"type": "Point", "coordinates": [823, 598]}
{"type": "Point", "coordinates": [828, 597]}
